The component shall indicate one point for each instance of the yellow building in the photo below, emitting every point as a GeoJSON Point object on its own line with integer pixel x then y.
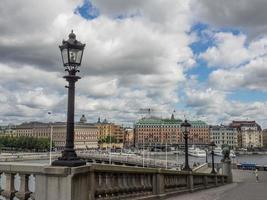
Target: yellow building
{"type": "Point", "coordinates": [106, 129]}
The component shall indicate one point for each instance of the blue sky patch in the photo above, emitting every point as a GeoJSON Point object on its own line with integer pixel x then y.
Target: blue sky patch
{"type": "Point", "coordinates": [245, 95]}
{"type": "Point", "coordinates": [88, 11]}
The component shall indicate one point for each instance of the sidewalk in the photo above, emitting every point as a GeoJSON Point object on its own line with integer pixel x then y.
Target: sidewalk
{"type": "Point", "coordinates": [244, 187]}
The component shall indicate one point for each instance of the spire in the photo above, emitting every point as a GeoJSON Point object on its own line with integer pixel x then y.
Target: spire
{"type": "Point", "coordinates": [172, 117]}
{"type": "Point", "coordinates": [98, 121]}
{"type": "Point", "coordinates": [105, 121]}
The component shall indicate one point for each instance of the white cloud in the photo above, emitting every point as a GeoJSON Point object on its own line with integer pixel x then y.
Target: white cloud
{"type": "Point", "coordinates": [251, 76]}
{"type": "Point", "coordinates": [213, 106]}
{"type": "Point", "coordinates": [229, 51]}
{"type": "Point", "coordinates": [128, 63]}
{"type": "Point", "coordinates": [249, 16]}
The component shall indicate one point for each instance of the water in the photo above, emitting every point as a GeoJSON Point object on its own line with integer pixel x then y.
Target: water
{"type": "Point", "coordinates": [258, 159]}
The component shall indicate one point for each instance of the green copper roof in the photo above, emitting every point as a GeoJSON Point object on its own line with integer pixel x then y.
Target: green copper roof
{"type": "Point", "coordinates": [158, 121]}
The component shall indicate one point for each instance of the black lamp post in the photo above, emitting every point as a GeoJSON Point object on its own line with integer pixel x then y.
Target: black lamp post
{"type": "Point", "coordinates": [71, 52]}
{"type": "Point", "coordinates": [212, 144]}
{"type": "Point", "coordinates": [185, 129]}
{"type": "Point", "coordinates": [206, 150]}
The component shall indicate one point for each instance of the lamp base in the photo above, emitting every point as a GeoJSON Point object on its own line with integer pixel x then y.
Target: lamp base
{"type": "Point", "coordinates": [187, 169]}
{"type": "Point", "coordinates": [69, 159]}
{"type": "Point", "coordinates": [69, 163]}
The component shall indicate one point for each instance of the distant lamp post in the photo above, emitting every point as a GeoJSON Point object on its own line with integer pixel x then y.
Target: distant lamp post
{"type": "Point", "coordinates": [206, 150]}
{"type": "Point", "coordinates": [186, 129]}
{"type": "Point", "coordinates": [71, 52]}
{"type": "Point", "coordinates": [212, 144]}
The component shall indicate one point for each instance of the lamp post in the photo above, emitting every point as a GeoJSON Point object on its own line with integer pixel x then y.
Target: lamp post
{"type": "Point", "coordinates": [206, 150]}
{"type": "Point", "coordinates": [185, 129]}
{"type": "Point", "coordinates": [166, 153]}
{"type": "Point", "coordinates": [212, 144]}
{"type": "Point", "coordinates": [71, 52]}
{"type": "Point", "coordinates": [51, 140]}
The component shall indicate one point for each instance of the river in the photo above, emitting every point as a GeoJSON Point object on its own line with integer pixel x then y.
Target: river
{"type": "Point", "coordinates": [257, 159]}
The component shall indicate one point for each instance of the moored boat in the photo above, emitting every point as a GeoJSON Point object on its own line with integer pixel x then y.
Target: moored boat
{"type": "Point", "coordinates": [197, 152]}
{"type": "Point", "coordinates": [218, 152]}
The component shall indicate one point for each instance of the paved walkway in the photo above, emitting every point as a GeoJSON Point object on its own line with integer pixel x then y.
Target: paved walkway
{"type": "Point", "coordinates": [244, 187]}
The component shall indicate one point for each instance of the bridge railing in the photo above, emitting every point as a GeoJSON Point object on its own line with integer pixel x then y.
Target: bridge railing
{"type": "Point", "coordinates": [98, 181]}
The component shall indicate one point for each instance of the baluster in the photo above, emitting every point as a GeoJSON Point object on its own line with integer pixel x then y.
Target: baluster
{"type": "Point", "coordinates": [1, 183]}
{"type": "Point", "coordinates": [166, 181]}
{"type": "Point", "coordinates": [144, 182]}
{"type": "Point", "coordinates": [139, 182]}
{"type": "Point", "coordinates": [109, 186]}
{"type": "Point", "coordinates": [150, 184]}
{"type": "Point", "coordinates": [125, 184]}
{"type": "Point", "coordinates": [23, 193]}
{"type": "Point", "coordinates": [130, 183]}
{"type": "Point", "coordinates": [120, 184]}
{"type": "Point", "coordinates": [100, 185]}
{"type": "Point", "coordinates": [176, 182]}
{"type": "Point", "coordinates": [9, 191]}
{"type": "Point", "coordinates": [147, 183]}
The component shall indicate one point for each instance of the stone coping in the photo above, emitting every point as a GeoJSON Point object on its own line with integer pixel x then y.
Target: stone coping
{"type": "Point", "coordinates": [31, 168]}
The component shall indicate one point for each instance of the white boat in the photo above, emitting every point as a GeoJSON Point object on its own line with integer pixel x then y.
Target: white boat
{"type": "Point", "coordinates": [218, 152]}
{"type": "Point", "coordinates": [197, 152]}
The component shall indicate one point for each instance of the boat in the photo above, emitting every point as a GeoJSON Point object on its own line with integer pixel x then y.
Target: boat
{"type": "Point", "coordinates": [218, 152]}
{"type": "Point", "coordinates": [196, 152]}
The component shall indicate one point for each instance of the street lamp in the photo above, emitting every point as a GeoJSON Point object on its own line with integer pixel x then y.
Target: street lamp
{"type": "Point", "coordinates": [186, 129]}
{"type": "Point", "coordinates": [71, 52]}
{"type": "Point", "coordinates": [206, 150]}
{"type": "Point", "coordinates": [51, 140]}
{"type": "Point", "coordinates": [212, 144]}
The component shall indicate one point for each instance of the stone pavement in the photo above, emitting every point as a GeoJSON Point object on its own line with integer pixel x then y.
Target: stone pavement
{"type": "Point", "coordinates": [244, 187]}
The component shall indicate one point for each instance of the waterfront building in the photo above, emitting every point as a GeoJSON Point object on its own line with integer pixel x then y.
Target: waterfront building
{"type": "Point", "coordinates": [221, 135]}
{"type": "Point", "coordinates": [8, 130]}
{"type": "Point", "coordinates": [129, 137]}
{"type": "Point", "coordinates": [249, 134]}
{"type": "Point", "coordinates": [85, 134]}
{"type": "Point", "coordinates": [154, 131]}
{"type": "Point", "coordinates": [264, 138]}
{"type": "Point", "coordinates": [106, 129]}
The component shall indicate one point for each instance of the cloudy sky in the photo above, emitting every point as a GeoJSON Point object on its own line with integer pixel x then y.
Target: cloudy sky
{"type": "Point", "coordinates": [206, 59]}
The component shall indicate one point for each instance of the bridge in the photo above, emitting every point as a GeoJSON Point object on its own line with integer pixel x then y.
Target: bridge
{"type": "Point", "coordinates": [99, 181]}
{"type": "Point", "coordinates": [131, 160]}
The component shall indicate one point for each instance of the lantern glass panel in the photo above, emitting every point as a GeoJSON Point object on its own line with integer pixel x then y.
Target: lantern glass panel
{"type": "Point", "coordinates": [64, 53]}
{"type": "Point", "coordinates": [75, 56]}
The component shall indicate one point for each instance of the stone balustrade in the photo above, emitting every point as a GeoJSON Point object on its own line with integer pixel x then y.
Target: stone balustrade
{"type": "Point", "coordinates": [98, 181]}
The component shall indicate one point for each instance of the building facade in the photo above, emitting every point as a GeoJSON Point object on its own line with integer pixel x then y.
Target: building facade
{"type": "Point", "coordinates": [264, 138]}
{"type": "Point", "coordinates": [106, 129]}
{"type": "Point", "coordinates": [8, 130]}
{"type": "Point", "coordinates": [221, 135]}
{"type": "Point", "coordinates": [129, 138]}
{"type": "Point", "coordinates": [249, 134]}
{"type": "Point", "coordinates": [85, 134]}
{"type": "Point", "coordinates": [156, 131]}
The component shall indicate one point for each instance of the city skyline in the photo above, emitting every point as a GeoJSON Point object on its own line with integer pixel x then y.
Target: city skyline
{"type": "Point", "coordinates": [197, 59]}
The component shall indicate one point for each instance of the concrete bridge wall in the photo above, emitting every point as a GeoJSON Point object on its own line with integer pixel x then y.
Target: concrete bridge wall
{"type": "Point", "coordinates": [100, 181]}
